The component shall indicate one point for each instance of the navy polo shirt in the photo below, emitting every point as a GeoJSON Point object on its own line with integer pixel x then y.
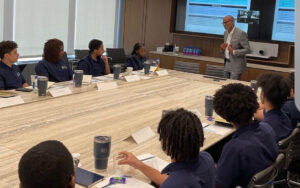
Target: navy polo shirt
{"type": "Point", "coordinates": [280, 123]}
{"type": "Point", "coordinates": [198, 173]}
{"type": "Point", "coordinates": [56, 72]}
{"type": "Point", "coordinates": [290, 109]}
{"type": "Point", "coordinates": [92, 67]}
{"type": "Point", "coordinates": [252, 148]}
{"type": "Point", "coordinates": [10, 77]}
{"type": "Point", "coordinates": [135, 62]}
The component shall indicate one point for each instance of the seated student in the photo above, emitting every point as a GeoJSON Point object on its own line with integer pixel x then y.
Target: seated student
{"type": "Point", "coordinates": [95, 63]}
{"type": "Point", "coordinates": [252, 148]}
{"type": "Point", "coordinates": [52, 65]}
{"type": "Point", "coordinates": [289, 107]}
{"type": "Point", "coordinates": [274, 92]}
{"type": "Point", "coordinates": [10, 75]}
{"type": "Point", "coordinates": [181, 136]}
{"type": "Point", "coordinates": [137, 59]}
{"type": "Point", "coordinates": [49, 164]}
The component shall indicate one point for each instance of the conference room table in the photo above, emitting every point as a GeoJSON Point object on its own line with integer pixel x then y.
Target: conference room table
{"type": "Point", "coordinates": [75, 119]}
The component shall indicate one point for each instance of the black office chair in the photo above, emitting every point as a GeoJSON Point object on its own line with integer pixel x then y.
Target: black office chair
{"type": "Point", "coordinates": [285, 145]}
{"type": "Point", "coordinates": [215, 71]}
{"type": "Point", "coordinates": [116, 56]}
{"type": "Point", "coordinates": [293, 155]}
{"type": "Point", "coordinates": [28, 71]}
{"type": "Point", "coordinates": [80, 54]}
{"type": "Point", "coordinates": [187, 67]}
{"type": "Point", "coordinates": [265, 178]}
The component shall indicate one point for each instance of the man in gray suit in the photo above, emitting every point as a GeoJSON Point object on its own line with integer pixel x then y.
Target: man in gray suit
{"type": "Point", "coordinates": [235, 47]}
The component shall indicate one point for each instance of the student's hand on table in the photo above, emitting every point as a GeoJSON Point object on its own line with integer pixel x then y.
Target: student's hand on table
{"type": "Point", "coordinates": [223, 46]}
{"type": "Point", "coordinates": [127, 158]}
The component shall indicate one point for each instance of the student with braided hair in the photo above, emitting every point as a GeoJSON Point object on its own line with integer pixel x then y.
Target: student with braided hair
{"type": "Point", "coordinates": [181, 136]}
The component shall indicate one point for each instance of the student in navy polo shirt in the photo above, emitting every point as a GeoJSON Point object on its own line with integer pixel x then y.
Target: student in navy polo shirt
{"type": "Point", "coordinates": [252, 147]}
{"type": "Point", "coordinates": [274, 93]}
{"type": "Point", "coordinates": [137, 59]}
{"type": "Point", "coordinates": [95, 64]}
{"type": "Point", "coordinates": [181, 136]}
{"type": "Point", "coordinates": [10, 75]}
{"type": "Point", "coordinates": [289, 107]}
{"type": "Point", "coordinates": [52, 65]}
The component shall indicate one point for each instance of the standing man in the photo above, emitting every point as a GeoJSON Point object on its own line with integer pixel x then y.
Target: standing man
{"type": "Point", "coordinates": [235, 47]}
{"type": "Point", "coordinates": [10, 75]}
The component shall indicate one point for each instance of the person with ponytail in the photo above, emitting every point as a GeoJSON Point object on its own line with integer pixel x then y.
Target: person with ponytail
{"type": "Point", "coordinates": [137, 58]}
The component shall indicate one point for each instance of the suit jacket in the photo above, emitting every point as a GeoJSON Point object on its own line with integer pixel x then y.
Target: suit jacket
{"type": "Point", "coordinates": [240, 45]}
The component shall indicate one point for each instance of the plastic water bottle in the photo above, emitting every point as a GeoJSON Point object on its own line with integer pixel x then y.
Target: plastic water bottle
{"type": "Point", "coordinates": [154, 62]}
{"type": "Point", "coordinates": [34, 83]}
{"type": "Point", "coordinates": [158, 62]}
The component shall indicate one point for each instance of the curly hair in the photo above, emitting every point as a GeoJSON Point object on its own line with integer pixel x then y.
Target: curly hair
{"type": "Point", "coordinates": [7, 47]}
{"type": "Point", "coordinates": [274, 88]}
{"type": "Point", "coordinates": [181, 134]}
{"type": "Point", "coordinates": [235, 103]}
{"type": "Point", "coordinates": [52, 50]}
{"type": "Point", "coordinates": [48, 164]}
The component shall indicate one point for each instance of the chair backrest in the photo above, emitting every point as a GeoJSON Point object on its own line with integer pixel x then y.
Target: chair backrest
{"type": "Point", "coordinates": [187, 67]}
{"type": "Point", "coordinates": [28, 71]}
{"type": "Point", "coordinates": [264, 178]}
{"type": "Point", "coordinates": [216, 71]}
{"type": "Point", "coordinates": [80, 54]}
{"type": "Point", "coordinates": [293, 152]}
{"type": "Point", "coordinates": [116, 56]}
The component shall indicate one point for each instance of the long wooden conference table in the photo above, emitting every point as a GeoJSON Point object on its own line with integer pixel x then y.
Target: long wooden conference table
{"type": "Point", "coordinates": [75, 119]}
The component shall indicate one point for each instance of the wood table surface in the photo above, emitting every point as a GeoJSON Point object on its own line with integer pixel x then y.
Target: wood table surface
{"type": "Point", "coordinates": [75, 119]}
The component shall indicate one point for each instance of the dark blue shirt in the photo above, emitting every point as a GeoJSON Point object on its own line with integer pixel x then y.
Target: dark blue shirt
{"type": "Point", "coordinates": [198, 173]}
{"type": "Point", "coordinates": [252, 148]}
{"type": "Point", "coordinates": [92, 67]}
{"type": "Point", "coordinates": [10, 77]}
{"type": "Point", "coordinates": [56, 72]}
{"type": "Point", "coordinates": [290, 109]}
{"type": "Point", "coordinates": [280, 123]}
{"type": "Point", "coordinates": [136, 62]}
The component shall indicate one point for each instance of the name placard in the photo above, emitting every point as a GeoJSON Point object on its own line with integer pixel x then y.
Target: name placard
{"type": "Point", "coordinates": [5, 102]}
{"type": "Point", "coordinates": [57, 92]}
{"type": "Point", "coordinates": [87, 79]}
{"type": "Point", "coordinates": [143, 135]}
{"type": "Point", "coordinates": [107, 86]}
{"type": "Point", "coordinates": [132, 78]}
{"type": "Point", "coordinates": [162, 73]}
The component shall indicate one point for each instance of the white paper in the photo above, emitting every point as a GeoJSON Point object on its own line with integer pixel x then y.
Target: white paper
{"type": "Point", "coordinates": [5, 102]}
{"type": "Point", "coordinates": [57, 92]}
{"type": "Point", "coordinates": [107, 86]}
{"type": "Point", "coordinates": [143, 135]}
{"type": "Point", "coordinates": [132, 78]}
{"type": "Point", "coordinates": [162, 73]}
{"type": "Point", "coordinates": [216, 129]}
{"type": "Point", "coordinates": [87, 79]}
{"type": "Point", "coordinates": [102, 78]}
{"type": "Point", "coordinates": [156, 163]}
{"type": "Point", "coordinates": [130, 183]}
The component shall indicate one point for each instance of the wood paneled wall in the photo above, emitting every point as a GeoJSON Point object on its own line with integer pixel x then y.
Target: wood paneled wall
{"type": "Point", "coordinates": [148, 22]}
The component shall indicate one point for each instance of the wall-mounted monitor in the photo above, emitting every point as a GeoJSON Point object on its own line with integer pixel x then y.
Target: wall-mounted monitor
{"type": "Point", "coordinates": [263, 20]}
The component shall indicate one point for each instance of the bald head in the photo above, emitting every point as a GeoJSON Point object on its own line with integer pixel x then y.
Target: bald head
{"type": "Point", "coordinates": [228, 22]}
